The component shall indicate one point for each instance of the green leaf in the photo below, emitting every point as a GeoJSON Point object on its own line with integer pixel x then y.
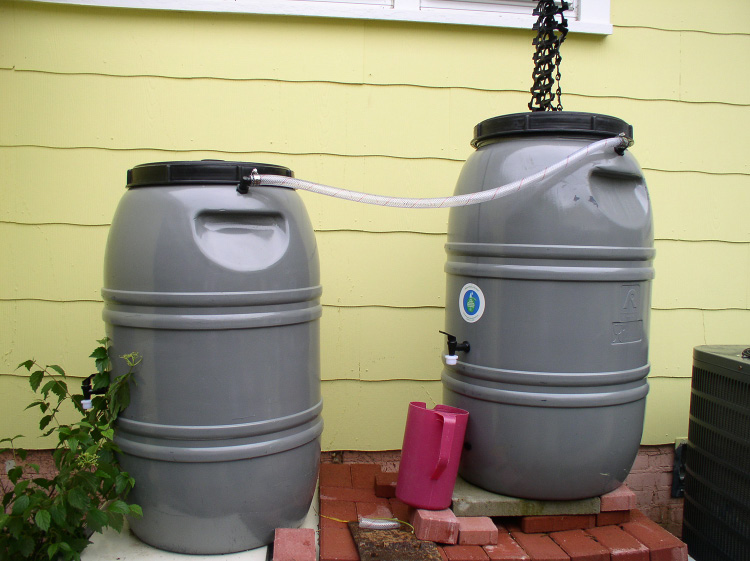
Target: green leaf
{"type": "Point", "coordinates": [135, 510]}
{"type": "Point", "coordinates": [15, 474]}
{"type": "Point", "coordinates": [57, 369]}
{"type": "Point", "coordinates": [96, 519]}
{"type": "Point", "coordinates": [99, 352]}
{"type": "Point", "coordinates": [73, 444]}
{"type": "Point", "coordinates": [21, 487]}
{"type": "Point", "coordinates": [25, 546]}
{"type": "Point", "coordinates": [35, 467]}
{"type": "Point", "coordinates": [78, 499]}
{"type": "Point", "coordinates": [42, 520]}
{"type": "Point", "coordinates": [26, 364]}
{"type": "Point", "coordinates": [103, 341]}
{"type": "Point", "coordinates": [44, 421]}
{"type": "Point", "coordinates": [60, 389]}
{"type": "Point", "coordinates": [119, 507]}
{"type": "Point", "coordinates": [122, 482]}
{"type": "Point", "coordinates": [52, 549]}
{"type": "Point", "coordinates": [58, 513]}
{"type": "Point", "coordinates": [20, 504]}
{"type": "Point", "coordinates": [35, 379]}
{"type": "Point", "coordinates": [3, 519]}
{"type": "Point", "coordinates": [46, 388]}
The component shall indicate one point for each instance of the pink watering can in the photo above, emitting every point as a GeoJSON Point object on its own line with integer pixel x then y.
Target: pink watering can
{"type": "Point", "coordinates": [433, 440]}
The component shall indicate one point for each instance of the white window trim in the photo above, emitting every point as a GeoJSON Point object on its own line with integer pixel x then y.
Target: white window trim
{"type": "Point", "coordinates": [587, 16]}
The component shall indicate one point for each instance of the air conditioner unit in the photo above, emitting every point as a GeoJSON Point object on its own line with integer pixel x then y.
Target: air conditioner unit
{"type": "Point", "coordinates": [716, 523]}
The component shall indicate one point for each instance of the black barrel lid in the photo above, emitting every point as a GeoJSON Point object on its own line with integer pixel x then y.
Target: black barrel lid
{"type": "Point", "coordinates": [203, 172]}
{"type": "Point", "coordinates": [549, 122]}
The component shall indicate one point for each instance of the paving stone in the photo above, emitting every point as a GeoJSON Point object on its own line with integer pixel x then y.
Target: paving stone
{"type": "Point", "coordinates": [580, 546]}
{"type": "Point", "coordinates": [560, 523]}
{"type": "Point", "coordinates": [613, 517]}
{"type": "Point", "coordinates": [465, 553]}
{"type": "Point", "coordinates": [476, 530]}
{"type": "Point", "coordinates": [539, 547]}
{"type": "Point", "coordinates": [385, 485]}
{"type": "Point", "coordinates": [401, 510]}
{"type": "Point", "coordinates": [621, 498]}
{"type": "Point", "coordinates": [373, 510]}
{"type": "Point", "coordinates": [294, 544]}
{"type": "Point", "coordinates": [335, 475]}
{"type": "Point", "coordinates": [663, 545]}
{"type": "Point", "coordinates": [439, 526]}
{"type": "Point", "coordinates": [507, 549]}
{"type": "Point", "coordinates": [622, 546]}
{"type": "Point", "coordinates": [363, 475]}
{"type": "Point", "coordinates": [349, 494]}
{"type": "Point", "coordinates": [469, 500]}
{"type": "Point", "coordinates": [342, 510]}
{"type": "Point", "coordinates": [336, 544]}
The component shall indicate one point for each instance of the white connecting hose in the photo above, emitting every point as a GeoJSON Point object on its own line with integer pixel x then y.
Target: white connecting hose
{"type": "Point", "coordinates": [619, 143]}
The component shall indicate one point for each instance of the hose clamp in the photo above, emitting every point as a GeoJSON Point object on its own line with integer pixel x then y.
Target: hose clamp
{"type": "Point", "coordinates": [252, 180]}
{"type": "Point", "coordinates": [625, 143]}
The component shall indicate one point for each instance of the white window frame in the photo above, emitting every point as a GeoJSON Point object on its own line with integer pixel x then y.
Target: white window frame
{"type": "Point", "coordinates": [586, 16]}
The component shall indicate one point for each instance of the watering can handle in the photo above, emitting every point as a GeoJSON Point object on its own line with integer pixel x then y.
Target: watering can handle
{"type": "Point", "coordinates": [446, 443]}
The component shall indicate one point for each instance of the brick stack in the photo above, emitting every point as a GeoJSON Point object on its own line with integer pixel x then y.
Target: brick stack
{"type": "Point", "coordinates": [618, 532]}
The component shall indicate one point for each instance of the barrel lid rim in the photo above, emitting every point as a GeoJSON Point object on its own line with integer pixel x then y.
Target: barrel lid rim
{"type": "Point", "coordinates": [198, 172]}
{"type": "Point", "coordinates": [549, 122]}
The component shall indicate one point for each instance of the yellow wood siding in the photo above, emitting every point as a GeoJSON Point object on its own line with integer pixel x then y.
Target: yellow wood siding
{"type": "Point", "coordinates": [388, 108]}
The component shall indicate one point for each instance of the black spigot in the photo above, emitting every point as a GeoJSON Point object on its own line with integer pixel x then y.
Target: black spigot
{"type": "Point", "coordinates": [88, 392]}
{"type": "Point", "coordinates": [454, 345]}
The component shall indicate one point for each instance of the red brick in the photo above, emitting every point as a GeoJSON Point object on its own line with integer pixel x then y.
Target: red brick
{"type": "Point", "coordinates": [506, 549]}
{"type": "Point", "coordinates": [476, 530]}
{"type": "Point", "coordinates": [465, 553]}
{"type": "Point", "coordinates": [543, 524]}
{"type": "Point", "coordinates": [614, 517]}
{"type": "Point", "coordinates": [349, 494]}
{"type": "Point", "coordinates": [663, 545]}
{"type": "Point", "coordinates": [373, 510]}
{"type": "Point", "coordinates": [342, 510]}
{"type": "Point", "coordinates": [363, 475]}
{"type": "Point", "coordinates": [336, 544]}
{"type": "Point", "coordinates": [435, 525]}
{"type": "Point", "coordinates": [296, 544]}
{"type": "Point", "coordinates": [539, 547]}
{"type": "Point", "coordinates": [385, 485]}
{"type": "Point", "coordinates": [580, 546]}
{"type": "Point", "coordinates": [621, 498]}
{"type": "Point", "coordinates": [443, 556]}
{"type": "Point", "coordinates": [335, 475]}
{"type": "Point", "coordinates": [622, 546]}
{"type": "Point", "coordinates": [401, 510]}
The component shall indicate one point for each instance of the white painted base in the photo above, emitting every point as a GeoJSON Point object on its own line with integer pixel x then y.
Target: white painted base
{"type": "Point", "coordinates": [126, 547]}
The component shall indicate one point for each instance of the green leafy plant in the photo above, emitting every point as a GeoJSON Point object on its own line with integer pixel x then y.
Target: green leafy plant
{"type": "Point", "coordinates": [52, 518]}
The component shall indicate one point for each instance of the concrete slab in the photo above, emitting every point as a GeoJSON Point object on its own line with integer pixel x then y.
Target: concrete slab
{"type": "Point", "coordinates": [469, 500]}
{"type": "Point", "coordinates": [126, 547]}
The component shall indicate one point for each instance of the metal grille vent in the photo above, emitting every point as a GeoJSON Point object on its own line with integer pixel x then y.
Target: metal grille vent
{"type": "Point", "coordinates": [717, 488]}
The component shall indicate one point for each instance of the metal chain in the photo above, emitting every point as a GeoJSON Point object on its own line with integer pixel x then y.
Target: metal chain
{"type": "Point", "coordinates": [547, 58]}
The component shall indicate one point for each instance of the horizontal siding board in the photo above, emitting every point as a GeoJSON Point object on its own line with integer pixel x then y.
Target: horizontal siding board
{"type": "Point", "coordinates": [400, 121]}
{"type": "Point", "coordinates": [667, 407]}
{"type": "Point", "coordinates": [398, 269]}
{"type": "Point", "coordinates": [53, 38]}
{"type": "Point", "coordinates": [83, 186]}
{"type": "Point", "coordinates": [61, 333]}
{"type": "Point", "coordinates": [389, 340]}
{"type": "Point", "coordinates": [698, 206]}
{"type": "Point", "coordinates": [371, 416]}
{"type": "Point", "coordinates": [724, 16]}
{"type": "Point", "coordinates": [373, 344]}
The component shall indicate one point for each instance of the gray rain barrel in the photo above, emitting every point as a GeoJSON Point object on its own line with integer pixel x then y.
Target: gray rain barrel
{"type": "Point", "coordinates": [219, 291]}
{"type": "Point", "coordinates": [551, 288]}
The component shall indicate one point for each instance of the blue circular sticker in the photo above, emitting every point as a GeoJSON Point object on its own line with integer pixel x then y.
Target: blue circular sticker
{"type": "Point", "coordinates": [471, 302]}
